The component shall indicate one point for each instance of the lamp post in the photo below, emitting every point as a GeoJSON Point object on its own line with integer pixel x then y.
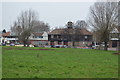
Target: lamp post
{"type": "Point", "coordinates": [119, 42]}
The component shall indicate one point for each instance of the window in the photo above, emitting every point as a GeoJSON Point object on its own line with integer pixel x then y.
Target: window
{"type": "Point", "coordinates": [59, 36]}
{"type": "Point", "coordinates": [86, 37]}
{"type": "Point", "coordinates": [59, 42]}
{"type": "Point", "coordinates": [55, 36]}
{"type": "Point", "coordinates": [114, 43]}
{"type": "Point", "coordinates": [40, 36]}
{"type": "Point", "coordinates": [52, 36]}
{"type": "Point", "coordinates": [66, 43]}
{"type": "Point", "coordinates": [52, 43]}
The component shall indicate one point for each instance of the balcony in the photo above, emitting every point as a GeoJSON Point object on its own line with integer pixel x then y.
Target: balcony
{"type": "Point", "coordinates": [12, 39]}
{"type": "Point", "coordinates": [44, 38]}
{"type": "Point", "coordinates": [55, 39]}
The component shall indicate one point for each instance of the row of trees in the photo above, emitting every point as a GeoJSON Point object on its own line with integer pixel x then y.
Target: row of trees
{"type": "Point", "coordinates": [26, 23]}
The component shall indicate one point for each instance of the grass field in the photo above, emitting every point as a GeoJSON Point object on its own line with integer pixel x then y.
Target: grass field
{"type": "Point", "coordinates": [21, 62]}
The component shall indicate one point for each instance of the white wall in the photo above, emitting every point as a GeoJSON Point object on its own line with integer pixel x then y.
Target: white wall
{"type": "Point", "coordinates": [45, 37]}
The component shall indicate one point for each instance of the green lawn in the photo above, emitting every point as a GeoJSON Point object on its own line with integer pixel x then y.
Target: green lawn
{"type": "Point", "coordinates": [21, 62]}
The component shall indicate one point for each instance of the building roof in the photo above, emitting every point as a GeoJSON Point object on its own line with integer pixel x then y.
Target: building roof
{"type": "Point", "coordinates": [56, 31]}
{"type": "Point", "coordinates": [9, 34]}
{"type": "Point", "coordinates": [59, 31]}
{"type": "Point", "coordinates": [116, 29]}
{"type": "Point", "coordinates": [6, 34]}
{"type": "Point", "coordinates": [85, 32]}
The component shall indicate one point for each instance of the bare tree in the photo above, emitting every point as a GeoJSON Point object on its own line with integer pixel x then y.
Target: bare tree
{"type": "Point", "coordinates": [16, 29]}
{"type": "Point", "coordinates": [27, 23]}
{"type": "Point", "coordinates": [81, 24]}
{"type": "Point", "coordinates": [41, 26]}
{"type": "Point", "coordinates": [23, 25]}
{"type": "Point", "coordinates": [103, 16]}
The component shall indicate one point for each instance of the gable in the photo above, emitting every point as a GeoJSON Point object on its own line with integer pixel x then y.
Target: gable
{"type": "Point", "coordinates": [115, 30]}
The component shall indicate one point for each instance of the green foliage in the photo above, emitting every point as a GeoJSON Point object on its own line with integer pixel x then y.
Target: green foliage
{"type": "Point", "coordinates": [22, 62]}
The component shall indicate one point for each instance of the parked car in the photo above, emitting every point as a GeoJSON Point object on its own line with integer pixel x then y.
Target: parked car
{"type": "Point", "coordinates": [17, 43]}
{"type": "Point", "coordinates": [47, 46]}
{"type": "Point", "coordinates": [52, 46]}
{"type": "Point", "coordinates": [12, 44]}
{"type": "Point", "coordinates": [60, 46]}
{"type": "Point", "coordinates": [36, 45]}
{"type": "Point", "coordinates": [3, 44]}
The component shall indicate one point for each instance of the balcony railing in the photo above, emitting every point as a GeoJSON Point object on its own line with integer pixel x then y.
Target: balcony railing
{"type": "Point", "coordinates": [45, 38]}
{"type": "Point", "coordinates": [12, 38]}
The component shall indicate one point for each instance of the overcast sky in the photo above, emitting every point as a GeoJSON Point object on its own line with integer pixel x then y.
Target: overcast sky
{"type": "Point", "coordinates": [56, 14]}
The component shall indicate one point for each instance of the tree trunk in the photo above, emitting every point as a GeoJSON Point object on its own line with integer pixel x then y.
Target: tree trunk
{"type": "Point", "coordinates": [119, 46]}
{"type": "Point", "coordinates": [105, 47]}
{"type": "Point", "coordinates": [24, 44]}
{"type": "Point", "coordinates": [28, 44]}
{"type": "Point", "coordinates": [73, 43]}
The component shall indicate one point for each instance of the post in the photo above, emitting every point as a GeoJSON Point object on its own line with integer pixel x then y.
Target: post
{"type": "Point", "coordinates": [119, 42]}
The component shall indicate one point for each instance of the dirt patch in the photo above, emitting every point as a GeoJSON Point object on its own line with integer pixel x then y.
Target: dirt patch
{"type": "Point", "coordinates": [40, 49]}
{"type": "Point", "coordinates": [116, 53]}
{"type": "Point", "coordinates": [23, 49]}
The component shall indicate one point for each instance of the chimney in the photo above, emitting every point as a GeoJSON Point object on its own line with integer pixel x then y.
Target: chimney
{"type": "Point", "coordinates": [69, 25]}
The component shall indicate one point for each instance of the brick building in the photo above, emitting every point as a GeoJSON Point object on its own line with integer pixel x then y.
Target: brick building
{"type": "Point", "coordinates": [56, 37]}
{"type": "Point", "coordinates": [114, 42]}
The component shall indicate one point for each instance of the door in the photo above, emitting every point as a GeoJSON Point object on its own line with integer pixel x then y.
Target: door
{"type": "Point", "coordinates": [114, 43]}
